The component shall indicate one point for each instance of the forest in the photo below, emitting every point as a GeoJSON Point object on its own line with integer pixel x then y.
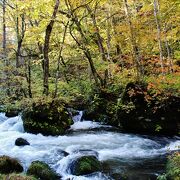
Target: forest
{"type": "Point", "coordinates": [80, 71]}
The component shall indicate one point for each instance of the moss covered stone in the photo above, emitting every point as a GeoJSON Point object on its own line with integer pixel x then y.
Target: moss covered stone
{"type": "Point", "coordinates": [16, 177]}
{"type": "Point", "coordinates": [42, 170]}
{"type": "Point", "coordinates": [145, 112]}
{"type": "Point", "coordinates": [85, 165]}
{"type": "Point", "coordinates": [173, 167]}
{"type": "Point", "coordinates": [9, 165]}
{"type": "Point", "coordinates": [46, 117]}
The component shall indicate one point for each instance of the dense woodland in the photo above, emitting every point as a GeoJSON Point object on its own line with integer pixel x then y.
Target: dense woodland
{"type": "Point", "coordinates": [67, 48]}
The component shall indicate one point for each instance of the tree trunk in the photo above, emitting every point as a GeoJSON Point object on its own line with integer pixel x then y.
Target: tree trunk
{"type": "Point", "coordinates": [59, 58]}
{"type": "Point", "coordinates": [156, 14]}
{"type": "Point", "coordinates": [46, 48]}
{"type": "Point", "coordinates": [170, 62]}
{"type": "Point", "coordinates": [20, 37]}
{"type": "Point", "coordinates": [87, 53]}
{"type": "Point", "coordinates": [135, 48]}
{"type": "Point", "coordinates": [4, 32]}
{"type": "Point", "coordinates": [28, 75]}
{"type": "Point", "coordinates": [97, 33]}
{"type": "Point", "coordinates": [6, 61]}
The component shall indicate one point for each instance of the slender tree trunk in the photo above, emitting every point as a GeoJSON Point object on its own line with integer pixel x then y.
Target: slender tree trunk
{"type": "Point", "coordinates": [135, 48]}
{"type": "Point", "coordinates": [20, 37]}
{"type": "Point", "coordinates": [86, 51]}
{"type": "Point", "coordinates": [83, 44]}
{"type": "Point", "coordinates": [28, 75]}
{"type": "Point", "coordinates": [108, 42]}
{"type": "Point", "coordinates": [97, 33]}
{"type": "Point", "coordinates": [4, 32]}
{"type": "Point", "coordinates": [117, 45]}
{"type": "Point", "coordinates": [156, 15]}
{"type": "Point", "coordinates": [59, 58]}
{"type": "Point", "coordinates": [18, 51]}
{"type": "Point", "coordinates": [46, 48]}
{"type": "Point", "coordinates": [170, 62]}
{"type": "Point", "coordinates": [6, 61]}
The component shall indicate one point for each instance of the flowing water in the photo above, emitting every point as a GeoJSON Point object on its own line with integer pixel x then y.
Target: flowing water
{"type": "Point", "coordinates": [139, 157]}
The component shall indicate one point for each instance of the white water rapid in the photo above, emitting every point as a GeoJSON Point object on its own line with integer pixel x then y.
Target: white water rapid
{"type": "Point", "coordinates": [122, 152]}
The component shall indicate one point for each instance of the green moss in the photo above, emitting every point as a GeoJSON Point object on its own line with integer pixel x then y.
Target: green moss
{"type": "Point", "coordinates": [173, 167]}
{"type": "Point", "coordinates": [16, 177]}
{"type": "Point", "coordinates": [41, 170]}
{"type": "Point", "coordinates": [86, 165]}
{"type": "Point", "coordinates": [47, 117]}
{"type": "Point", "coordinates": [9, 165]}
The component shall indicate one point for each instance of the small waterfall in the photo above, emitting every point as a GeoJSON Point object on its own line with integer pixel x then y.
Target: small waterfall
{"type": "Point", "coordinates": [78, 116]}
{"type": "Point", "coordinates": [80, 124]}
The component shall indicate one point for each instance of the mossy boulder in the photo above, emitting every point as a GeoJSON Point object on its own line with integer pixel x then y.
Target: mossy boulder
{"type": "Point", "coordinates": [173, 167]}
{"type": "Point", "coordinates": [47, 117]}
{"type": "Point", "coordinates": [144, 112]}
{"type": "Point", "coordinates": [16, 177]}
{"type": "Point", "coordinates": [85, 165]}
{"type": "Point", "coordinates": [21, 142]}
{"type": "Point", "coordinates": [102, 107]}
{"type": "Point", "coordinates": [9, 165]}
{"type": "Point", "coordinates": [42, 171]}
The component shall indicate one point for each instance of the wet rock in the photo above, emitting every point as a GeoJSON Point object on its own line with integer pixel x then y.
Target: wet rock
{"type": "Point", "coordinates": [42, 171]}
{"type": "Point", "coordinates": [61, 153]}
{"type": "Point", "coordinates": [85, 165]}
{"type": "Point", "coordinates": [118, 176]}
{"type": "Point", "coordinates": [12, 113]}
{"type": "Point", "coordinates": [9, 165]}
{"type": "Point", "coordinates": [48, 118]}
{"type": "Point", "coordinates": [21, 142]}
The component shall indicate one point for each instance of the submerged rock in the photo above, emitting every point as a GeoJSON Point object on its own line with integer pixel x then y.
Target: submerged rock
{"type": "Point", "coordinates": [42, 171]}
{"type": "Point", "coordinates": [9, 165]}
{"type": "Point", "coordinates": [61, 153]}
{"type": "Point", "coordinates": [48, 118]}
{"type": "Point", "coordinates": [21, 142]}
{"type": "Point", "coordinates": [85, 165]}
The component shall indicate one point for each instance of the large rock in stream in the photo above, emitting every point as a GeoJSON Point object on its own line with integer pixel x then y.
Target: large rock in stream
{"type": "Point", "coordinates": [42, 171]}
{"type": "Point", "coordinates": [9, 165]}
{"type": "Point", "coordinates": [145, 112]}
{"type": "Point", "coordinates": [21, 142]}
{"type": "Point", "coordinates": [85, 165]}
{"type": "Point", "coordinates": [48, 118]}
